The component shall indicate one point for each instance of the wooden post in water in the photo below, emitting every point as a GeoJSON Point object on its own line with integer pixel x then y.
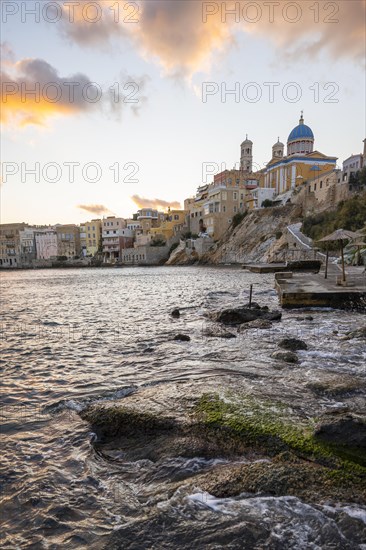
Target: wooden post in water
{"type": "Point", "coordinates": [250, 296]}
{"type": "Point", "coordinates": [343, 269]}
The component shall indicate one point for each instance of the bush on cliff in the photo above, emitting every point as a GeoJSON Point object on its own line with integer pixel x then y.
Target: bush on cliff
{"type": "Point", "coordinates": [350, 215]}
{"type": "Point", "coordinates": [238, 218]}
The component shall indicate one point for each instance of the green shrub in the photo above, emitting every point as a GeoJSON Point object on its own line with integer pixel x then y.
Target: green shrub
{"type": "Point", "coordinates": [173, 247]}
{"type": "Point", "coordinates": [158, 242]}
{"type": "Point", "coordinates": [349, 215]}
{"type": "Point", "coordinates": [238, 218]}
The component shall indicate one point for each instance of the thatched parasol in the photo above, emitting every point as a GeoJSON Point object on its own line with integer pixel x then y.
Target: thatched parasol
{"type": "Point", "coordinates": [338, 235]}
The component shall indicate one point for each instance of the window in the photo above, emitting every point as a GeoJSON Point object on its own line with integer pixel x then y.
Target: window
{"type": "Point", "coordinates": [321, 185]}
{"type": "Point", "coordinates": [224, 208]}
{"type": "Point", "coordinates": [235, 196]}
{"type": "Point", "coordinates": [176, 217]}
{"type": "Point", "coordinates": [235, 209]}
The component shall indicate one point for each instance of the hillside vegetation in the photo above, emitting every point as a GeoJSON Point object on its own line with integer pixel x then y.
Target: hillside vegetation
{"type": "Point", "coordinates": [350, 215]}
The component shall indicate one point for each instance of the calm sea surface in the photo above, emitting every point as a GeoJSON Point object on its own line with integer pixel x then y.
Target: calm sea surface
{"type": "Point", "coordinates": [73, 337]}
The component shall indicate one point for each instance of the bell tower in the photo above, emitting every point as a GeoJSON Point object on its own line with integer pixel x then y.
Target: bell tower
{"type": "Point", "coordinates": [278, 149]}
{"type": "Point", "coordinates": [246, 156]}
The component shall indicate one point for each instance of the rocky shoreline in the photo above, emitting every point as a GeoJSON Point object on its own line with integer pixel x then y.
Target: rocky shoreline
{"type": "Point", "coordinates": [275, 440]}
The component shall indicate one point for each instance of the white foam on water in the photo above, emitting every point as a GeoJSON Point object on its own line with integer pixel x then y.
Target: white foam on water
{"type": "Point", "coordinates": [355, 512]}
{"type": "Point", "coordinates": [215, 504]}
{"type": "Point", "coordinates": [291, 521]}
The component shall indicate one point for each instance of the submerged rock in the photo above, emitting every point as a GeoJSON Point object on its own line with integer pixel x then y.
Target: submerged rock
{"type": "Point", "coordinates": [238, 316]}
{"type": "Point", "coordinates": [257, 323]}
{"type": "Point", "coordinates": [175, 313]}
{"type": "Point", "coordinates": [346, 430]}
{"type": "Point", "coordinates": [337, 385]}
{"type": "Point", "coordinates": [306, 318]}
{"type": "Point", "coordinates": [287, 356]}
{"type": "Point", "coordinates": [217, 333]}
{"type": "Point", "coordinates": [286, 474]}
{"type": "Point", "coordinates": [292, 344]}
{"type": "Point", "coordinates": [359, 333]}
{"type": "Point", "coordinates": [182, 337]}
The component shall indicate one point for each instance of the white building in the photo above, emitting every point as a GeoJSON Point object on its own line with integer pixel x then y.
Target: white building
{"type": "Point", "coordinates": [46, 244]}
{"type": "Point", "coordinates": [353, 164]}
{"type": "Point", "coordinates": [260, 194]}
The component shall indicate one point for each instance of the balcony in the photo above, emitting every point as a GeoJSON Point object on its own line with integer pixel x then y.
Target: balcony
{"type": "Point", "coordinates": [110, 242]}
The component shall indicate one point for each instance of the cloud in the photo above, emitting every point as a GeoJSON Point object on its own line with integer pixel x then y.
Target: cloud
{"type": "Point", "coordinates": [95, 25]}
{"type": "Point", "coordinates": [97, 209]}
{"type": "Point", "coordinates": [178, 36]}
{"type": "Point", "coordinates": [158, 204]}
{"type": "Point", "coordinates": [32, 92]}
{"type": "Point", "coordinates": [7, 54]}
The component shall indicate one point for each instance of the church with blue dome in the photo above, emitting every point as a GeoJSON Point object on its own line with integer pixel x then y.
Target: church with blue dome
{"type": "Point", "coordinates": [301, 139]}
{"type": "Point", "coordinates": [302, 163]}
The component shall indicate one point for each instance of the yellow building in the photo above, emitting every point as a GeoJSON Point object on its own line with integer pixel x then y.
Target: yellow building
{"type": "Point", "coordinates": [301, 164]}
{"type": "Point", "coordinates": [226, 197]}
{"type": "Point", "coordinates": [173, 222]}
{"type": "Point", "coordinates": [93, 236]}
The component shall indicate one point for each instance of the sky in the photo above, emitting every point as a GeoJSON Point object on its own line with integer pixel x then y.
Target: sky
{"type": "Point", "coordinates": [108, 106]}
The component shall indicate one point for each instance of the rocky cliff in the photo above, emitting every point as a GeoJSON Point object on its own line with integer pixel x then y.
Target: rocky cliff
{"type": "Point", "coordinates": [257, 239]}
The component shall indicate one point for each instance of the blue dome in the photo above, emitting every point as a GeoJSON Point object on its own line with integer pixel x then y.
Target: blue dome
{"type": "Point", "coordinates": [300, 132]}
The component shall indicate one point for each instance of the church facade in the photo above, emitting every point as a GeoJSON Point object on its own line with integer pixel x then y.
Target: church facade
{"type": "Point", "coordinates": [302, 163]}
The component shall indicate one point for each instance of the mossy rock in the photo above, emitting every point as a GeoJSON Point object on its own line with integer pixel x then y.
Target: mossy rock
{"type": "Point", "coordinates": [337, 387]}
{"type": "Point", "coordinates": [109, 422]}
{"type": "Point", "coordinates": [285, 475]}
{"type": "Point", "coordinates": [256, 426]}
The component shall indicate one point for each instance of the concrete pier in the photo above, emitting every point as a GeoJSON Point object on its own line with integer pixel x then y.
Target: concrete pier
{"type": "Point", "coordinates": [313, 290]}
{"type": "Point", "coordinates": [265, 268]}
{"type": "Point", "coordinates": [304, 266]}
